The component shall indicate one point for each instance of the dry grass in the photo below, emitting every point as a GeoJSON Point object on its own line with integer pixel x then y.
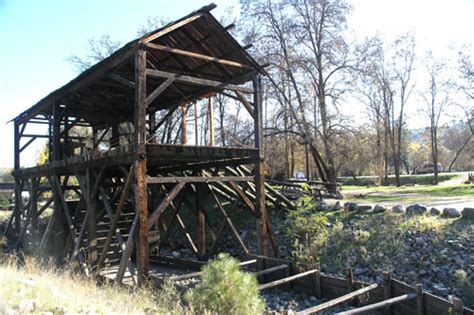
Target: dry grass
{"type": "Point", "coordinates": [59, 292]}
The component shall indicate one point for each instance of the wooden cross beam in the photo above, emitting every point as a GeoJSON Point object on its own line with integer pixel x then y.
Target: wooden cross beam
{"type": "Point", "coordinates": [198, 56]}
{"type": "Point", "coordinates": [164, 204]}
{"type": "Point", "coordinates": [157, 92]}
{"type": "Point", "coordinates": [197, 81]}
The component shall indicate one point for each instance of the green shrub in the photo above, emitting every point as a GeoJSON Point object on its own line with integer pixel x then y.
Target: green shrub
{"type": "Point", "coordinates": [225, 289]}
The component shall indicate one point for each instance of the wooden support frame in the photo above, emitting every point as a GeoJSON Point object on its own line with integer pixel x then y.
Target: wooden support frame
{"type": "Point", "coordinates": [379, 305]}
{"type": "Point", "coordinates": [197, 81]}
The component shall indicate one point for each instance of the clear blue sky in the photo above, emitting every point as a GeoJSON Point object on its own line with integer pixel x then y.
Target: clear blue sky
{"type": "Point", "coordinates": [37, 36]}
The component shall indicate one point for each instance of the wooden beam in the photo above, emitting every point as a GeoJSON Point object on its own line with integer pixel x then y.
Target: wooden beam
{"type": "Point", "coordinates": [157, 92]}
{"type": "Point", "coordinates": [127, 251]}
{"type": "Point", "coordinates": [198, 56]}
{"type": "Point", "coordinates": [197, 179]}
{"type": "Point", "coordinates": [339, 300]}
{"type": "Point", "coordinates": [211, 119]}
{"type": "Point", "coordinates": [199, 273]}
{"type": "Point", "coordinates": [141, 201]}
{"type": "Point", "coordinates": [271, 270]}
{"type": "Point", "coordinates": [170, 28]}
{"type": "Point", "coordinates": [122, 80]}
{"type": "Point", "coordinates": [286, 280]}
{"type": "Point", "coordinates": [197, 81]}
{"type": "Point", "coordinates": [164, 204]}
{"type": "Point", "coordinates": [379, 305]}
{"type": "Point", "coordinates": [246, 103]}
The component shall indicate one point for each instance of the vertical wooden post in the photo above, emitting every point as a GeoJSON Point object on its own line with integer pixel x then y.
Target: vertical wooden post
{"type": "Point", "coordinates": [350, 284]}
{"type": "Point", "coordinates": [115, 140]}
{"type": "Point", "coordinates": [56, 132]}
{"type": "Point", "coordinates": [202, 221]}
{"type": "Point", "coordinates": [184, 114]}
{"type": "Point", "coordinates": [17, 210]}
{"type": "Point", "coordinates": [260, 209]}
{"type": "Point", "coordinates": [387, 291]}
{"type": "Point", "coordinates": [34, 203]}
{"type": "Point", "coordinates": [458, 307]}
{"type": "Point", "coordinates": [317, 281]}
{"type": "Point", "coordinates": [196, 121]}
{"type": "Point", "coordinates": [92, 223]}
{"type": "Point", "coordinates": [420, 303]}
{"type": "Point", "coordinates": [211, 119]}
{"type": "Point", "coordinates": [141, 206]}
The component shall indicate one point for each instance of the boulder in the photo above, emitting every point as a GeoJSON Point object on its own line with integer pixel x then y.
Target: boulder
{"type": "Point", "coordinates": [379, 208]}
{"type": "Point", "coordinates": [398, 209]}
{"type": "Point", "coordinates": [364, 208]}
{"type": "Point", "coordinates": [434, 211]}
{"type": "Point", "coordinates": [416, 209]}
{"type": "Point", "coordinates": [468, 213]}
{"type": "Point", "coordinates": [322, 206]}
{"type": "Point", "coordinates": [451, 212]}
{"type": "Point", "coordinates": [337, 206]}
{"type": "Point", "coordinates": [350, 206]}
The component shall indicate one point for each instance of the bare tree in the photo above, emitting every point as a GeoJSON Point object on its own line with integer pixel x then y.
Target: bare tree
{"type": "Point", "coordinates": [435, 98]}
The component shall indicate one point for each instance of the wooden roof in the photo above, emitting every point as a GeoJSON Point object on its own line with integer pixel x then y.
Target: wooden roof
{"type": "Point", "coordinates": [105, 91]}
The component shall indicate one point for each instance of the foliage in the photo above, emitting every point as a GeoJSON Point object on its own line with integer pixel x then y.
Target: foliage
{"type": "Point", "coordinates": [225, 289]}
{"type": "Point", "coordinates": [308, 231]}
{"type": "Point", "coordinates": [463, 282]}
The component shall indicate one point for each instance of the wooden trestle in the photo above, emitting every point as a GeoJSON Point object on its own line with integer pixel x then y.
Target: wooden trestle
{"type": "Point", "coordinates": [116, 190]}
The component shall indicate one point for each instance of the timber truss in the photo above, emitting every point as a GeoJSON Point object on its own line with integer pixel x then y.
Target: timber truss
{"type": "Point", "coordinates": [122, 177]}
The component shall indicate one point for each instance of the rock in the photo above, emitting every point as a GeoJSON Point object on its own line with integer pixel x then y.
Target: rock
{"type": "Point", "coordinates": [441, 275]}
{"type": "Point", "coordinates": [337, 206]}
{"type": "Point", "coordinates": [243, 235]}
{"type": "Point", "coordinates": [360, 271]}
{"type": "Point", "coordinates": [27, 306]}
{"type": "Point", "coordinates": [322, 206]}
{"type": "Point", "coordinates": [175, 254]}
{"type": "Point", "coordinates": [440, 289]}
{"type": "Point", "coordinates": [468, 213]}
{"type": "Point", "coordinates": [434, 211]}
{"type": "Point", "coordinates": [451, 212]}
{"type": "Point", "coordinates": [339, 195]}
{"type": "Point", "coordinates": [422, 272]}
{"type": "Point", "coordinates": [398, 209]}
{"type": "Point", "coordinates": [313, 299]}
{"type": "Point", "coordinates": [416, 209]}
{"type": "Point", "coordinates": [350, 206]}
{"type": "Point", "coordinates": [379, 209]}
{"type": "Point", "coordinates": [364, 208]}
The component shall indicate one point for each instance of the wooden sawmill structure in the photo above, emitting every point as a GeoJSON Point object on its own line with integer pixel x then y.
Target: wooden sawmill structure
{"type": "Point", "coordinates": [124, 177]}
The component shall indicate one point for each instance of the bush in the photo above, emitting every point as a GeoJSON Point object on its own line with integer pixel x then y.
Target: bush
{"type": "Point", "coordinates": [225, 289]}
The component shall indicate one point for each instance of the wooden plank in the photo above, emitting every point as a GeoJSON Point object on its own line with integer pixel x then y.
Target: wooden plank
{"type": "Point", "coordinates": [196, 179]}
{"type": "Point", "coordinates": [157, 92]}
{"type": "Point", "coordinates": [127, 252]}
{"type": "Point", "coordinates": [246, 103]}
{"type": "Point", "coordinates": [339, 300]}
{"type": "Point", "coordinates": [170, 28]}
{"type": "Point", "coordinates": [211, 120]}
{"type": "Point", "coordinates": [198, 81]}
{"type": "Point", "coordinates": [198, 56]}
{"type": "Point", "coordinates": [379, 305]}
{"type": "Point", "coordinates": [116, 216]}
{"type": "Point", "coordinates": [201, 220]}
{"type": "Point", "coordinates": [164, 204]}
{"type": "Point", "coordinates": [387, 291]}
{"type": "Point", "coordinates": [271, 270]}
{"type": "Point", "coordinates": [122, 80]}
{"type": "Point", "coordinates": [286, 280]}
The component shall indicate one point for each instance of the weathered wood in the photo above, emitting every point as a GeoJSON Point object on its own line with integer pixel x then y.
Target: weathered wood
{"type": "Point", "coordinates": [198, 56]}
{"type": "Point", "coordinates": [196, 179]}
{"type": "Point", "coordinates": [127, 251]}
{"type": "Point", "coordinates": [271, 270]}
{"type": "Point", "coordinates": [228, 220]}
{"type": "Point", "coordinates": [122, 80]}
{"type": "Point", "coordinates": [164, 204]}
{"type": "Point", "coordinates": [286, 280]}
{"type": "Point", "coordinates": [116, 217]}
{"type": "Point", "coordinates": [339, 300]}
{"type": "Point", "coordinates": [141, 204]}
{"type": "Point", "coordinates": [166, 30]}
{"type": "Point", "coordinates": [420, 302]}
{"type": "Point", "coordinates": [184, 113]}
{"type": "Point", "coordinates": [201, 220]}
{"type": "Point", "coordinates": [197, 81]}
{"type": "Point", "coordinates": [317, 282]}
{"type": "Point", "coordinates": [211, 120]}
{"type": "Point", "coordinates": [91, 204]}
{"type": "Point", "coordinates": [246, 103]}
{"type": "Point", "coordinates": [458, 307]}
{"type": "Point", "coordinates": [387, 291]}
{"type": "Point", "coordinates": [379, 305]}
{"type": "Point", "coordinates": [157, 92]}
